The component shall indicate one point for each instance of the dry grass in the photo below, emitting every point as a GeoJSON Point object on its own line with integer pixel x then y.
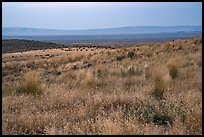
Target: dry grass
{"type": "Point", "coordinates": [101, 71]}
{"type": "Point", "coordinates": [131, 71]}
{"type": "Point", "coordinates": [90, 80]}
{"type": "Point", "coordinates": [140, 95]}
{"type": "Point", "coordinates": [30, 84]}
{"type": "Point", "coordinates": [173, 70]}
{"type": "Point", "coordinates": [159, 85]}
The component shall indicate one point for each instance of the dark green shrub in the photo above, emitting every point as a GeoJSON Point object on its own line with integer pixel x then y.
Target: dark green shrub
{"type": "Point", "coordinates": [164, 120]}
{"type": "Point", "coordinates": [131, 55]}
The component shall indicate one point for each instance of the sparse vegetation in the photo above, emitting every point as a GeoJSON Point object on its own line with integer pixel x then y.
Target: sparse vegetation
{"type": "Point", "coordinates": [102, 91]}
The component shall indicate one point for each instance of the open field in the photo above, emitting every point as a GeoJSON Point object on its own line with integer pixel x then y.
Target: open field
{"type": "Point", "coordinates": [151, 89]}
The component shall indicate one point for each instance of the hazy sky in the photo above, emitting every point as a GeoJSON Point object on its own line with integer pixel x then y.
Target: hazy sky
{"type": "Point", "coordinates": [90, 15]}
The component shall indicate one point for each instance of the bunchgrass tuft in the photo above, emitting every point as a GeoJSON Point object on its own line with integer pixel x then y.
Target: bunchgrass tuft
{"type": "Point", "coordinates": [31, 84]}
{"type": "Point", "coordinates": [159, 86]}
{"type": "Point", "coordinates": [173, 70]}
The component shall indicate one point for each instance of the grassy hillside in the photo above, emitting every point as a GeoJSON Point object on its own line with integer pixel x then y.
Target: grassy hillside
{"type": "Point", "coordinates": [151, 89]}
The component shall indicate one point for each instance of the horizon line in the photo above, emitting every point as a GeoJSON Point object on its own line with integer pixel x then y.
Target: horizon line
{"type": "Point", "coordinates": [109, 27]}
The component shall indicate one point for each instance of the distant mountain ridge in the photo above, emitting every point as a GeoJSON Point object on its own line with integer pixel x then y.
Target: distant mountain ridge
{"type": "Point", "coordinates": [17, 31]}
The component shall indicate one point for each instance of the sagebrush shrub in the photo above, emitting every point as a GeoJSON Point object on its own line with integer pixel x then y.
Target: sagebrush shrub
{"type": "Point", "coordinates": [120, 57]}
{"type": "Point", "coordinates": [162, 119]}
{"type": "Point", "coordinates": [131, 55]}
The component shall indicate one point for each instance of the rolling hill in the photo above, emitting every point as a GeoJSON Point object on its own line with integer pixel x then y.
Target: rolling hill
{"type": "Point", "coordinates": [17, 31]}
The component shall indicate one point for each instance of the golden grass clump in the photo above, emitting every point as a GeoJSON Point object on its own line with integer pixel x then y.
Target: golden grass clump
{"type": "Point", "coordinates": [80, 75]}
{"type": "Point", "coordinates": [90, 80]}
{"type": "Point", "coordinates": [159, 86]}
{"type": "Point", "coordinates": [100, 71]}
{"type": "Point", "coordinates": [173, 70]}
{"type": "Point", "coordinates": [31, 83]}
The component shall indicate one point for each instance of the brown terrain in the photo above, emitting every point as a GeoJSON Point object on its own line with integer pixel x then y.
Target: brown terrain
{"type": "Point", "coordinates": [151, 89]}
{"type": "Point", "coordinates": [15, 45]}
